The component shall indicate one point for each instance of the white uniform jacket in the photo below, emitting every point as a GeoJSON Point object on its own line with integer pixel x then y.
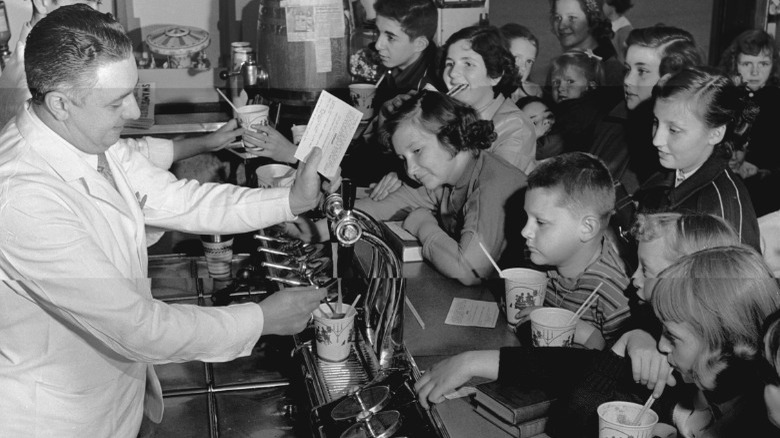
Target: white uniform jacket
{"type": "Point", "coordinates": [79, 329]}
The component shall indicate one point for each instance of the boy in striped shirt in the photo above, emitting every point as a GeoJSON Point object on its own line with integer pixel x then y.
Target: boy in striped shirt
{"type": "Point", "coordinates": [569, 201]}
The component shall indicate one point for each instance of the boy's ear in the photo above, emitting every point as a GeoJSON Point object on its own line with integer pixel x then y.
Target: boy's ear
{"type": "Point", "coordinates": [590, 227]}
{"type": "Point", "coordinates": [420, 44]}
{"type": "Point", "coordinates": [716, 135]}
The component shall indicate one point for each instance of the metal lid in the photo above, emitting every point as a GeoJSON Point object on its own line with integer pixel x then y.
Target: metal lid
{"type": "Point", "coordinates": [177, 40]}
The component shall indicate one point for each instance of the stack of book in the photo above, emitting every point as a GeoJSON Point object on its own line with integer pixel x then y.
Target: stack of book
{"type": "Point", "coordinates": [403, 242]}
{"type": "Point", "coordinates": [520, 413]}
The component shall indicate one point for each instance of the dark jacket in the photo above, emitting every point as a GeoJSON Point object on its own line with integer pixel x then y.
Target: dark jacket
{"type": "Point", "coordinates": [712, 189]}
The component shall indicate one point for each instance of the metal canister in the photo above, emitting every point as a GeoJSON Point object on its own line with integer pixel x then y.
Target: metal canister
{"type": "Point", "coordinates": [239, 53]}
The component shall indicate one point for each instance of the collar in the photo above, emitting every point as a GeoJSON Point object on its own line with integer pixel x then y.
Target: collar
{"type": "Point", "coordinates": [412, 76]}
{"type": "Point", "coordinates": [681, 176]}
{"type": "Point", "coordinates": [67, 160]}
{"type": "Point", "coordinates": [620, 22]}
{"type": "Point", "coordinates": [459, 193]}
{"type": "Point", "coordinates": [705, 174]}
{"type": "Point", "coordinates": [487, 112]}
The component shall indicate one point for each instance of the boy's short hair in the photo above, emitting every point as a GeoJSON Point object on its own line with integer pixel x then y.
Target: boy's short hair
{"type": "Point", "coordinates": [417, 17]}
{"type": "Point", "coordinates": [584, 181]}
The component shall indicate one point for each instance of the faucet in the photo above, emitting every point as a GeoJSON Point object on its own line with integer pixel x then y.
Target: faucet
{"type": "Point", "coordinates": [253, 77]}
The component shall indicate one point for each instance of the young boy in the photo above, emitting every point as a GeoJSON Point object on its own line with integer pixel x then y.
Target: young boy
{"type": "Point", "coordinates": [405, 45]}
{"type": "Point", "coordinates": [569, 202]}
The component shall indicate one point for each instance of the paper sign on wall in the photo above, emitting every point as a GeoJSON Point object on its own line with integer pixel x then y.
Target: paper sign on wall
{"type": "Point", "coordinates": [331, 127]}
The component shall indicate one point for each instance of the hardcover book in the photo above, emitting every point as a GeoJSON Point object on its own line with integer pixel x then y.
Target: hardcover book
{"type": "Point", "coordinates": [511, 404]}
{"type": "Point", "coordinates": [404, 243]}
{"type": "Point", "coordinates": [531, 428]}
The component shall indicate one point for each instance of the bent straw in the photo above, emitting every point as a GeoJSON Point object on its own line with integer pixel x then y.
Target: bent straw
{"type": "Point", "coordinates": [493, 262]}
{"type": "Point", "coordinates": [585, 304]}
{"type": "Point", "coordinates": [226, 99]}
{"type": "Point", "coordinates": [644, 409]}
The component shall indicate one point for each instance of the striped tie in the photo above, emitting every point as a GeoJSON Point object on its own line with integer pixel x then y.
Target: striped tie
{"type": "Point", "coordinates": [104, 169]}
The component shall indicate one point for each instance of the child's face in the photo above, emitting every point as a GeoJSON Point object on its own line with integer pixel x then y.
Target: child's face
{"type": "Point", "coordinates": [570, 25]}
{"type": "Point", "coordinates": [395, 47]}
{"type": "Point", "coordinates": [652, 260]}
{"type": "Point", "coordinates": [541, 116]}
{"type": "Point", "coordinates": [568, 83]}
{"type": "Point", "coordinates": [525, 56]}
{"type": "Point", "coordinates": [426, 160]}
{"type": "Point", "coordinates": [552, 231]}
{"type": "Point", "coordinates": [683, 141]}
{"type": "Point", "coordinates": [465, 66]}
{"type": "Point", "coordinates": [754, 69]}
{"type": "Point", "coordinates": [642, 73]}
{"type": "Point", "coordinates": [683, 348]}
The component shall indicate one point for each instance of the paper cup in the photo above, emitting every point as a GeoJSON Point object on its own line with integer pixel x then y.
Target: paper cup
{"type": "Point", "coordinates": [275, 175]}
{"type": "Point", "coordinates": [550, 327]}
{"type": "Point", "coordinates": [297, 133]}
{"type": "Point", "coordinates": [614, 419]}
{"type": "Point", "coordinates": [523, 288]}
{"type": "Point", "coordinates": [253, 115]}
{"type": "Point", "coordinates": [333, 337]}
{"type": "Point", "coordinates": [362, 96]}
{"type": "Point", "coordinates": [219, 255]}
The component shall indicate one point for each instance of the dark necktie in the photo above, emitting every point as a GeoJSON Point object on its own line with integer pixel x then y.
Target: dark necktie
{"type": "Point", "coordinates": [104, 169]}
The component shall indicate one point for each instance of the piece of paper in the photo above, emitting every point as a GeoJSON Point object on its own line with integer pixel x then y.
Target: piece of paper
{"type": "Point", "coordinates": [323, 56]}
{"type": "Point", "coordinates": [331, 128]}
{"type": "Point", "coordinates": [472, 313]}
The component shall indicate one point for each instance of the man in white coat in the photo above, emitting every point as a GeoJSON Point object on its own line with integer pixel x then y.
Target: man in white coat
{"type": "Point", "coordinates": [79, 329]}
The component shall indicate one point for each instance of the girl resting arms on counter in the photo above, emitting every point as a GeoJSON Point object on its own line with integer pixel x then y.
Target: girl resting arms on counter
{"type": "Point", "coordinates": [466, 192]}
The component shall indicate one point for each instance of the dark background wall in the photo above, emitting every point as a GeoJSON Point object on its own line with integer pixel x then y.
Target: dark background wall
{"type": "Point", "coordinates": [694, 16]}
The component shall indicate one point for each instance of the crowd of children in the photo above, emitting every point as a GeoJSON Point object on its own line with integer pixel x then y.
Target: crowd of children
{"type": "Point", "coordinates": [686, 149]}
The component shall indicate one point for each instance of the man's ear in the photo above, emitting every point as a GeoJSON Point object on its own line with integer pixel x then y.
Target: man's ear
{"type": "Point", "coordinates": [58, 104]}
{"type": "Point", "coordinates": [716, 135]}
{"type": "Point", "coordinates": [590, 227]}
{"type": "Point", "coordinates": [420, 44]}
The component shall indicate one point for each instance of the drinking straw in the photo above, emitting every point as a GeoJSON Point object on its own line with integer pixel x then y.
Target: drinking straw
{"type": "Point", "coordinates": [457, 89]}
{"type": "Point", "coordinates": [493, 262]}
{"type": "Point", "coordinates": [354, 302]}
{"type": "Point", "coordinates": [414, 312]}
{"type": "Point", "coordinates": [226, 99]}
{"type": "Point", "coordinates": [338, 303]}
{"type": "Point", "coordinates": [644, 409]}
{"type": "Point", "coordinates": [585, 304]}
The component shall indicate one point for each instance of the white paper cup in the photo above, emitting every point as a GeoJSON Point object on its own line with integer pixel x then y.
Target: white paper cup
{"type": "Point", "coordinates": [219, 255]}
{"type": "Point", "coordinates": [249, 115]}
{"type": "Point", "coordinates": [523, 288]}
{"type": "Point", "coordinates": [297, 133]}
{"type": "Point", "coordinates": [614, 419]}
{"type": "Point", "coordinates": [550, 327]}
{"type": "Point", "coordinates": [362, 96]}
{"type": "Point", "coordinates": [275, 175]}
{"type": "Point", "coordinates": [333, 337]}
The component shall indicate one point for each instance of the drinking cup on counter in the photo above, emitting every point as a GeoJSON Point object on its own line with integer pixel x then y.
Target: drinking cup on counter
{"type": "Point", "coordinates": [333, 336]}
{"type": "Point", "coordinates": [219, 255]}
{"type": "Point", "coordinates": [550, 327]}
{"type": "Point", "coordinates": [523, 288]}
{"type": "Point", "coordinates": [615, 420]}
{"type": "Point", "coordinates": [275, 175]}
{"type": "Point", "coordinates": [362, 96]}
{"type": "Point", "coordinates": [297, 133]}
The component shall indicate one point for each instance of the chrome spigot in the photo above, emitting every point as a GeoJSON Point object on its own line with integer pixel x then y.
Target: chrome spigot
{"type": "Point", "coordinates": [343, 222]}
{"type": "Point", "coordinates": [253, 76]}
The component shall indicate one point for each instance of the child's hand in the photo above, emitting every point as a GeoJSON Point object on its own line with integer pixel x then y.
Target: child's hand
{"type": "Point", "coordinates": [449, 374]}
{"type": "Point", "coordinates": [524, 315]}
{"type": "Point", "coordinates": [388, 184]}
{"type": "Point", "coordinates": [648, 365]}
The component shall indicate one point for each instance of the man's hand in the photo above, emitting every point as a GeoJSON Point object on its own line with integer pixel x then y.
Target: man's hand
{"type": "Point", "coordinates": [648, 365]}
{"type": "Point", "coordinates": [288, 311]}
{"type": "Point", "coordinates": [307, 230]}
{"type": "Point", "coordinates": [305, 193]}
{"type": "Point", "coordinates": [449, 374]}
{"type": "Point", "coordinates": [392, 105]}
{"type": "Point", "coordinates": [388, 184]}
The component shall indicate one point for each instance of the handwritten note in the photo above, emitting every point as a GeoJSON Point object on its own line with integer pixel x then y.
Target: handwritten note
{"type": "Point", "coordinates": [472, 313]}
{"type": "Point", "coordinates": [331, 127]}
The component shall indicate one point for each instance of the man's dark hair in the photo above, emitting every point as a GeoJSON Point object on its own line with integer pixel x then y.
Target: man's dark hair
{"type": "Point", "coordinates": [417, 17]}
{"type": "Point", "coordinates": [621, 6]}
{"type": "Point", "coordinates": [66, 47]}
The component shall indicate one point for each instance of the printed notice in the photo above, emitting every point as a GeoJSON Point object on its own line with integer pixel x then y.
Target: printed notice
{"type": "Point", "coordinates": [331, 128]}
{"type": "Point", "coordinates": [472, 313]}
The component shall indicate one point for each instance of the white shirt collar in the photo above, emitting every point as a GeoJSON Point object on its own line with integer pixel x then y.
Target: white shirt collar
{"type": "Point", "coordinates": [620, 22]}
{"type": "Point", "coordinates": [91, 159]}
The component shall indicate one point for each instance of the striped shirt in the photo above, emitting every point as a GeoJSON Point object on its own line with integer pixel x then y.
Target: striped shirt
{"type": "Point", "coordinates": [610, 310]}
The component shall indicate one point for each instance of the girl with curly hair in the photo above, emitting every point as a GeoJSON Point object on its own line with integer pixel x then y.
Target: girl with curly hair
{"type": "Point", "coordinates": [465, 189]}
